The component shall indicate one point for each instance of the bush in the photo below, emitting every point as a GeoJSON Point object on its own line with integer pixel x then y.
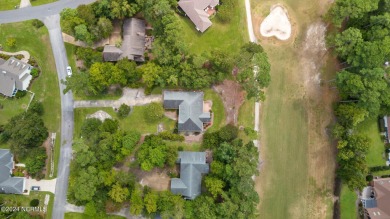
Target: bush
{"type": "Point", "coordinates": [228, 133]}
{"type": "Point", "coordinates": [153, 112]}
{"type": "Point", "coordinates": [166, 135]}
{"type": "Point", "coordinates": [11, 42]}
{"type": "Point", "coordinates": [252, 134]}
{"type": "Point", "coordinates": [20, 94]}
{"type": "Point", "coordinates": [369, 178]}
{"type": "Point", "coordinates": [123, 111]}
{"type": "Point", "coordinates": [36, 161]}
{"type": "Point", "coordinates": [37, 23]}
{"type": "Point", "coordinates": [379, 168]}
{"type": "Point", "coordinates": [34, 72]}
{"type": "Point", "coordinates": [34, 203]}
{"type": "Point", "coordinates": [36, 107]}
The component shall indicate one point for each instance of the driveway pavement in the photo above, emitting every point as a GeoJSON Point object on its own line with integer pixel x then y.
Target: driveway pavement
{"type": "Point", "coordinates": [130, 97]}
{"type": "Point", "coordinates": [45, 185]}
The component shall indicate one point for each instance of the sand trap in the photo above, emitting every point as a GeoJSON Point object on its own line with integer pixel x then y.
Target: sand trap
{"type": "Point", "coordinates": [276, 24]}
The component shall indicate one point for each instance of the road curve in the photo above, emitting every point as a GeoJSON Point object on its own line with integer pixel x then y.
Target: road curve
{"type": "Point", "coordinates": [39, 12]}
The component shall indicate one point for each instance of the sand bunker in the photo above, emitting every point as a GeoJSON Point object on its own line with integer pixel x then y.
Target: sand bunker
{"type": "Point", "coordinates": [276, 24]}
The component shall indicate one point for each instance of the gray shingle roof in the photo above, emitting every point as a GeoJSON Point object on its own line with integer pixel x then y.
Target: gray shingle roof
{"type": "Point", "coordinates": [133, 43]}
{"type": "Point", "coordinates": [192, 166]}
{"type": "Point", "coordinates": [12, 74]}
{"type": "Point", "coordinates": [194, 9]}
{"type": "Point", "coordinates": [190, 106]}
{"type": "Point", "coordinates": [9, 184]}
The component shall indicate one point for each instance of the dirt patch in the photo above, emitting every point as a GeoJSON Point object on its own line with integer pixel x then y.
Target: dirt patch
{"type": "Point", "coordinates": [157, 179]}
{"type": "Point", "coordinates": [116, 33]}
{"type": "Point", "coordinates": [47, 146]}
{"type": "Point", "coordinates": [276, 24]}
{"type": "Point", "coordinates": [193, 138]}
{"type": "Point", "coordinates": [172, 114]}
{"type": "Point", "coordinates": [232, 96]}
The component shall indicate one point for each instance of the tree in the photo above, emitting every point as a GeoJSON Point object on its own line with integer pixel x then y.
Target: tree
{"type": "Point", "coordinates": [105, 27]}
{"type": "Point", "coordinates": [11, 42]}
{"type": "Point", "coordinates": [81, 33]}
{"type": "Point", "coordinates": [36, 107]}
{"type": "Point", "coordinates": [153, 112]}
{"type": "Point", "coordinates": [86, 184]}
{"type": "Point", "coordinates": [152, 153]}
{"type": "Point", "coordinates": [90, 209]}
{"type": "Point", "coordinates": [80, 84]}
{"type": "Point", "coordinates": [214, 186]}
{"type": "Point", "coordinates": [86, 13]}
{"type": "Point", "coordinates": [225, 153]}
{"type": "Point", "coordinates": [228, 133]}
{"type": "Point", "coordinates": [90, 128]}
{"type": "Point", "coordinates": [136, 202]}
{"type": "Point", "coordinates": [123, 111]}
{"type": "Point", "coordinates": [350, 115]}
{"type": "Point", "coordinates": [150, 201]}
{"type": "Point", "coordinates": [118, 193]}
{"type": "Point", "coordinates": [89, 56]}
{"type": "Point", "coordinates": [150, 74]}
{"type": "Point", "coordinates": [131, 73]}
{"type": "Point", "coordinates": [129, 141]}
{"type": "Point", "coordinates": [36, 160]}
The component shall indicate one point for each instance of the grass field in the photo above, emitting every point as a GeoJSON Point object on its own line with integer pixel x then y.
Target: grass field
{"type": "Point", "coordinates": [229, 37]}
{"type": "Point", "coordinates": [84, 216]}
{"type": "Point", "coordinates": [370, 129]}
{"type": "Point", "coordinates": [217, 108]}
{"type": "Point", "coordinates": [347, 203]}
{"type": "Point", "coordinates": [10, 4]}
{"type": "Point", "coordinates": [45, 87]}
{"type": "Point", "coordinates": [246, 114]}
{"type": "Point", "coordinates": [296, 179]}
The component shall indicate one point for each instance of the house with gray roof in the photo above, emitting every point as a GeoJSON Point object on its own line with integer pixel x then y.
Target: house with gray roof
{"type": "Point", "coordinates": [133, 43]}
{"type": "Point", "coordinates": [190, 106]}
{"type": "Point", "coordinates": [196, 10]}
{"type": "Point", "coordinates": [14, 76]}
{"type": "Point", "coordinates": [192, 166]}
{"type": "Point", "coordinates": [9, 184]}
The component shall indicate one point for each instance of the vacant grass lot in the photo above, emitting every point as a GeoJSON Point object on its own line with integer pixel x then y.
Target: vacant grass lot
{"type": "Point", "coordinates": [229, 37]}
{"type": "Point", "coordinates": [84, 216]}
{"type": "Point", "coordinates": [347, 203]}
{"type": "Point", "coordinates": [296, 178]}
{"type": "Point", "coordinates": [135, 121]}
{"type": "Point", "coordinates": [217, 108]}
{"type": "Point", "coordinates": [45, 87]}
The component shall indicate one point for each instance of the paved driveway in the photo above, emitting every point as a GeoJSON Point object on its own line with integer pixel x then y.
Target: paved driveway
{"type": "Point", "coordinates": [46, 185]}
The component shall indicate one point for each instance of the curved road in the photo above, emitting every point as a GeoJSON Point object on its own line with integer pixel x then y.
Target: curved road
{"type": "Point", "coordinates": [49, 14]}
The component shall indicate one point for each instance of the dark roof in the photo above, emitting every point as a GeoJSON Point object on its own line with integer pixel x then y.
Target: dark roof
{"type": "Point", "coordinates": [190, 106]}
{"type": "Point", "coordinates": [194, 9]}
{"type": "Point", "coordinates": [192, 166]}
{"type": "Point", "coordinates": [133, 43]}
{"type": "Point", "coordinates": [9, 184]}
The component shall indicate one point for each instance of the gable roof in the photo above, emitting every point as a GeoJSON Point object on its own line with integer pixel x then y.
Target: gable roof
{"type": "Point", "coordinates": [133, 43]}
{"type": "Point", "coordinates": [190, 105]}
{"type": "Point", "coordinates": [192, 166]}
{"type": "Point", "coordinates": [9, 184]}
{"type": "Point", "coordinates": [194, 9]}
{"type": "Point", "coordinates": [12, 74]}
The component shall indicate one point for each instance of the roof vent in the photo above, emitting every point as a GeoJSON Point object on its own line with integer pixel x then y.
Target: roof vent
{"type": "Point", "coordinates": [4, 72]}
{"type": "Point", "coordinates": [17, 63]}
{"type": "Point", "coordinates": [12, 61]}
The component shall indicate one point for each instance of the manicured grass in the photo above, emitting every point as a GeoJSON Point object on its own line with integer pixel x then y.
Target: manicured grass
{"type": "Point", "coordinates": [45, 87]}
{"type": "Point", "coordinates": [347, 203]}
{"type": "Point", "coordinates": [246, 114]}
{"type": "Point", "coordinates": [186, 146]}
{"type": "Point", "coordinates": [8, 4]}
{"type": "Point", "coordinates": [13, 107]}
{"type": "Point", "coordinates": [229, 37]}
{"type": "Point", "coordinates": [84, 216]}
{"type": "Point", "coordinates": [12, 200]}
{"type": "Point", "coordinates": [41, 2]}
{"type": "Point", "coordinates": [375, 153]}
{"type": "Point", "coordinates": [70, 54]}
{"type": "Point", "coordinates": [217, 108]}
{"type": "Point", "coordinates": [135, 121]}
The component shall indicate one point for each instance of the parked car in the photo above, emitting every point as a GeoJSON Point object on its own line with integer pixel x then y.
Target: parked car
{"type": "Point", "coordinates": [69, 70]}
{"type": "Point", "coordinates": [35, 188]}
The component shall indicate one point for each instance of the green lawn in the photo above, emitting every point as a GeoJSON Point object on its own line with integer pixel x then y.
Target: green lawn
{"type": "Point", "coordinates": [217, 108]}
{"type": "Point", "coordinates": [41, 2]}
{"type": "Point", "coordinates": [70, 54]}
{"type": "Point", "coordinates": [134, 121]}
{"type": "Point", "coordinates": [347, 203]}
{"type": "Point", "coordinates": [45, 87]}
{"type": "Point", "coordinates": [8, 4]}
{"type": "Point", "coordinates": [246, 114]}
{"type": "Point", "coordinates": [11, 200]}
{"type": "Point", "coordinates": [375, 154]}
{"type": "Point", "coordinates": [13, 107]}
{"type": "Point", "coordinates": [83, 216]}
{"type": "Point", "coordinates": [229, 37]}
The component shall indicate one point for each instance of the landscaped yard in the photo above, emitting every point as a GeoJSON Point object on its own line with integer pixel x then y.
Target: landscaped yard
{"type": "Point", "coordinates": [134, 121]}
{"type": "Point", "coordinates": [348, 203]}
{"type": "Point", "coordinates": [229, 37]}
{"type": "Point", "coordinates": [84, 216]}
{"type": "Point", "coordinates": [45, 87]}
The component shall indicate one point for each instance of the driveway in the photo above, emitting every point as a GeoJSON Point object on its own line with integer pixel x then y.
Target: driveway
{"type": "Point", "coordinates": [130, 97]}
{"type": "Point", "coordinates": [46, 185]}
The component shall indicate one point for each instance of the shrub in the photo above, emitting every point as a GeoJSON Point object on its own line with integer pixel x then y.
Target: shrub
{"type": "Point", "coordinates": [166, 135]}
{"type": "Point", "coordinates": [123, 111]}
{"type": "Point", "coordinates": [20, 94]}
{"type": "Point", "coordinates": [369, 178]}
{"type": "Point", "coordinates": [228, 133]}
{"type": "Point", "coordinates": [34, 72]}
{"type": "Point", "coordinates": [180, 148]}
{"type": "Point", "coordinates": [1, 106]}
{"type": "Point", "coordinates": [252, 134]}
{"type": "Point", "coordinates": [34, 203]}
{"type": "Point", "coordinates": [36, 161]}
{"type": "Point", "coordinates": [11, 42]}
{"type": "Point", "coordinates": [37, 23]}
{"type": "Point", "coordinates": [36, 107]}
{"type": "Point", "coordinates": [153, 112]}
{"type": "Point", "coordinates": [379, 168]}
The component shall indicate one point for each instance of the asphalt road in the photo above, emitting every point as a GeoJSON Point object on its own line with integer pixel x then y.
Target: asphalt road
{"type": "Point", "coordinates": [39, 12]}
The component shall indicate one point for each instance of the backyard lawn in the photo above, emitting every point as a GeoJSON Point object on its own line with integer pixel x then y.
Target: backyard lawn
{"type": "Point", "coordinates": [12, 107]}
{"type": "Point", "coordinates": [347, 203]}
{"type": "Point", "coordinates": [229, 37]}
{"type": "Point", "coordinates": [84, 216]}
{"type": "Point", "coordinates": [45, 87]}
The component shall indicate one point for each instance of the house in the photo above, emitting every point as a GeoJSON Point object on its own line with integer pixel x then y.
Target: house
{"type": "Point", "coordinates": [190, 105]}
{"type": "Point", "coordinates": [9, 184]}
{"type": "Point", "coordinates": [197, 11]}
{"type": "Point", "coordinates": [133, 43]}
{"type": "Point", "coordinates": [14, 76]}
{"type": "Point", "coordinates": [192, 166]}
{"type": "Point", "coordinates": [376, 199]}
